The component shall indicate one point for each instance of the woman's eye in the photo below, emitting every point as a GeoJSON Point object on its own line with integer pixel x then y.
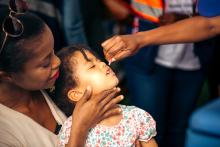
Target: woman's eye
{"type": "Point", "coordinates": [46, 65]}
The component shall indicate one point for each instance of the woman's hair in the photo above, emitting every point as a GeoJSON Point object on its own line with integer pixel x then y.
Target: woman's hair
{"type": "Point", "coordinates": [14, 55]}
{"type": "Point", "coordinates": [66, 80]}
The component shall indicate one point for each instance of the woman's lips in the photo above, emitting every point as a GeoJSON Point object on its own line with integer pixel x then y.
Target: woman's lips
{"type": "Point", "coordinates": [56, 75]}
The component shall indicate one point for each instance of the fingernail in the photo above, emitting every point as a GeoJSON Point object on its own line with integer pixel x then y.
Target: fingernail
{"type": "Point", "coordinates": [118, 89]}
{"type": "Point", "coordinates": [88, 88]}
{"type": "Point", "coordinates": [109, 63]}
{"type": "Point", "coordinates": [121, 97]}
{"type": "Point", "coordinates": [113, 60]}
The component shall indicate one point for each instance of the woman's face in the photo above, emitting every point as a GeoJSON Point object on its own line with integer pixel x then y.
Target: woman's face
{"type": "Point", "coordinates": [42, 70]}
{"type": "Point", "coordinates": [92, 72]}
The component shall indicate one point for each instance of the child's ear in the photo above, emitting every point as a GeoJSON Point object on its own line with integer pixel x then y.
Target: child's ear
{"type": "Point", "coordinates": [74, 95]}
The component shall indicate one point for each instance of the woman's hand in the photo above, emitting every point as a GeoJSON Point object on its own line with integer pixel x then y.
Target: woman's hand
{"type": "Point", "coordinates": [122, 46]}
{"type": "Point", "coordinates": [91, 110]}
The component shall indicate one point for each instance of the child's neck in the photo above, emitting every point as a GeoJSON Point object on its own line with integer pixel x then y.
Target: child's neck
{"type": "Point", "coordinates": [112, 120]}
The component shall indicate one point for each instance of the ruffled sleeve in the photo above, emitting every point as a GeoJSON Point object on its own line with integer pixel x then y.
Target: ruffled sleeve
{"type": "Point", "coordinates": [146, 125]}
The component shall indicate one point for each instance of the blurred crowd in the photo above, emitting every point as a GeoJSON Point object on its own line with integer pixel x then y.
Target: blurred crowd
{"type": "Point", "coordinates": [168, 81]}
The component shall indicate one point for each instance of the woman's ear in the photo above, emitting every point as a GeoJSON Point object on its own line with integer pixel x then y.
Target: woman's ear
{"type": "Point", "coordinates": [74, 95]}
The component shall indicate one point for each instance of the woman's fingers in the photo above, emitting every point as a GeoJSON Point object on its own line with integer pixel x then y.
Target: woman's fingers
{"type": "Point", "coordinates": [121, 55]}
{"type": "Point", "coordinates": [86, 96]}
{"type": "Point", "coordinates": [112, 103]}
{"type": "Point", "coordinates": [112, 46]}
{"type": "Point", "coordinates": [104, 95]}
{"type": "Point", "coordinates": [108, 44]}
{"type": "Point", "coordinates": [119, 47]}
{"type": "Point", "coordinates": [116, 49]}
{"type": "Point", "coordinates": [109, 97]}
{"type": "Point", "coordinates": [112, 112]}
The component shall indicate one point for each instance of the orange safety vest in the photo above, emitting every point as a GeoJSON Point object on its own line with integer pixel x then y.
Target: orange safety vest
{"type": "Point", "coordinates": [148, 9]}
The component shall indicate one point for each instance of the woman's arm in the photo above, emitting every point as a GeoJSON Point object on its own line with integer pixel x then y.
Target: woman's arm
{"type": "Point", "coordinates": [188, 30]}
{"type": "Point", "coordinates": [89, 111]}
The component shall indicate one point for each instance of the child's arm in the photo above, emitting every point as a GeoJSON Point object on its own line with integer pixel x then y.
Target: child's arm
{"type": "Point", "coordinates": [146, 127]}
{"type": "Point", "coordinates": [150, 143]}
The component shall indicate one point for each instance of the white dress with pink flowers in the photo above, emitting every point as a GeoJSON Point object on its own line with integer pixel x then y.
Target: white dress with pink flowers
{"type": "Point", "coordinates": [136, 124]}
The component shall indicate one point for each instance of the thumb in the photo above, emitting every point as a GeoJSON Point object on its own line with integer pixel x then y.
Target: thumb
{"type": "Point", "coordinates": [87, 95]}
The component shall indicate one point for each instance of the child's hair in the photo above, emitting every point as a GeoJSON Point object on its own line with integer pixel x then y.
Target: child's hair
{"type": "Point", "coordinates": [66, 81]}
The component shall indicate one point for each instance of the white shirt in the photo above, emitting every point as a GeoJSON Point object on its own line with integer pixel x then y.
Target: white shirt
{"type": "Point", "coordinates": [180, 56]}
{"type": "Point", "coordinates": [19, 130]}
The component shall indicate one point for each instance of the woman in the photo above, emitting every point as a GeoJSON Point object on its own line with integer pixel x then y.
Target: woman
{"type": "Point", "coordinates": [28, 117]}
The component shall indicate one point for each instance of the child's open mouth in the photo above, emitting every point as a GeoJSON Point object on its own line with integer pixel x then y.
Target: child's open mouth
{"type": "Point", "coordinates": [109, 72]}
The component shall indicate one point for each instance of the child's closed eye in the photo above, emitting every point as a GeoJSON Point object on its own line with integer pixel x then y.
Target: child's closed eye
{"type": "Point", "coordinates": [92, 66]}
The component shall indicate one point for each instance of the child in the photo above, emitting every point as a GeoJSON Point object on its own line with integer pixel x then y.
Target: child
{"type": "Point", "coordinates": [81, 68]}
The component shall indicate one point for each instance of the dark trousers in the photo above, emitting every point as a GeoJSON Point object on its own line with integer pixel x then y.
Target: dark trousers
{"type": "Point", "coordinates": [169, 95]}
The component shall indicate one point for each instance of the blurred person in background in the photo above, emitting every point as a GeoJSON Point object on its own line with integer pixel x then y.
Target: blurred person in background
{"type": "Point", "coordinates": [92, 17]}
{"type": "Point", "coordinates": [63, 17]}
{"type": "Point", "coordinates": [49, 11]}
{"type": "Point", "coordinates": [73, 23]}
{"type": "Point", "coordinates": [177, 71]}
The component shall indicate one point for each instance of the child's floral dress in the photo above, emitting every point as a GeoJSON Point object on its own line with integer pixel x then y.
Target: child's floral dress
{"type": "Point", "coordinates": [136, 124]}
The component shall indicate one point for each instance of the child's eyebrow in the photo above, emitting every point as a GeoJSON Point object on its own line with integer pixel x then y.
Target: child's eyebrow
{"type": "Point", "coordinates": [87, 60]}
{"type": "Point", "coordinates": [84, 55]}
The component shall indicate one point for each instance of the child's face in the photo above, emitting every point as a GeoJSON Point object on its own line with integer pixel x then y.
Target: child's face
{"type": "Point", "coordinates": [92, 73]}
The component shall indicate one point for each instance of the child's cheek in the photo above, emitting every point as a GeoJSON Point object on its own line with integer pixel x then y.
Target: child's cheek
{"type": "Point", "coordinates": [97, 81]}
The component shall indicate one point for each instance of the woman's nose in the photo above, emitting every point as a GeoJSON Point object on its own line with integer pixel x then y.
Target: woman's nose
{"type": "Point", "coordinates": [55, 62]}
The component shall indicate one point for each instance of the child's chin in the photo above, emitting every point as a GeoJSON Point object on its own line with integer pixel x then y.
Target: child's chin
{"type": "Point", "coordinates": [113, 86]}
{"type": "Point", "coordinates": [116, 81]}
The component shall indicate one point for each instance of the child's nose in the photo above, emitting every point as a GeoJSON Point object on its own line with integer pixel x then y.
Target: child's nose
{"type": "Point", "coordinates": [102, 65]}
